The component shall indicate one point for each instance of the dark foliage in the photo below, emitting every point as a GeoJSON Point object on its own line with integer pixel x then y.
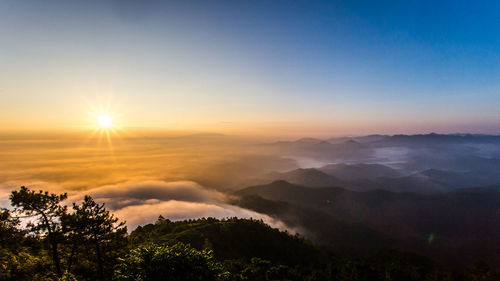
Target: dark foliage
{"type": "Point", "coordinates": [231, 238]}
{"type": "Point", "coordinates": [178, 262]}
{"type": "Point", "coordinates": [46, 209]}
{"type": "Point", "coordinates": [85, 243]}
{"type": "Point", "coordinates": [464, 220]}
{"type": "Point", "coordinates": [93, 245]}
{"type": "Point", "coordinates": [93, 230]}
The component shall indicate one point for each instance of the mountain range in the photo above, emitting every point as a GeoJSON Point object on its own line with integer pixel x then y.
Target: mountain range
{"type": "Point", "coordinates": [365, 177]}
{"type": "Point", "coordinates": [440, 225]}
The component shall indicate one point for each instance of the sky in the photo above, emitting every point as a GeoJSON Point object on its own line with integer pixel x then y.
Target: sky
{"type": "Point", "coordinates": [252, 67]}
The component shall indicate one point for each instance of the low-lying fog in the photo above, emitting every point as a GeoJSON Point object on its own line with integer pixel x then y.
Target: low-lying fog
{"type": "Point", "coordinates": [193, 176]}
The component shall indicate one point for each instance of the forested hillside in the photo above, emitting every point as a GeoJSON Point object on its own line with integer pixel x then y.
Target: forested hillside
{"type": "Point", "coordinates": [86, 242]}
{"type": "Point", "coordinates": [463, 220]}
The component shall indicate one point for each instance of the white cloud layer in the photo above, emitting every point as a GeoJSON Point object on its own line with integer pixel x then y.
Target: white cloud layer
{"type": "Point", "coordinates": [141, 202]}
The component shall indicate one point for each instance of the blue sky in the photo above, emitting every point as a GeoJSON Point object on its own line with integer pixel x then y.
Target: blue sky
{"type": "Point", "coordinates": [315, 67]}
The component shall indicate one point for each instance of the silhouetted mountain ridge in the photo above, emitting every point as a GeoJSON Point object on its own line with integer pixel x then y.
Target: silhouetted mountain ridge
{"type": "Point", "coordinates": [460, 219]}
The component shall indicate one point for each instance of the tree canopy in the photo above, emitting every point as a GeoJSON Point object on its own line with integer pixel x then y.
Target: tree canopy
{"type": "Point", "coordinates": [87, 242]}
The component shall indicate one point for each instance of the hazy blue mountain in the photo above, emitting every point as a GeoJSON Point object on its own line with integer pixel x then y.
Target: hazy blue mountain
{"type": "Point", "coordinates": [308, 141]}
{"type": "Point", "coordinates": [307, 177]}
{"type": "Point", "coordinates": [434, 138]}
{"type": "Point", "coordinates": [360, 139]}
{"type": "Point", "coordinates": [359, 177]}
{"type": "Point", "coordinates": [415, 183]}
{"type": "Point", "coordinates": [350, 172]}
{"type": "Point", "coordinates": [349, 150]}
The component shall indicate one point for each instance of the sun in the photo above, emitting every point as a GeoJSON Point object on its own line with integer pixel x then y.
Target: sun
{"type": "Point", "coordinates": [105, 124]}
{"type": "Point", "coordinates": [105, 121]}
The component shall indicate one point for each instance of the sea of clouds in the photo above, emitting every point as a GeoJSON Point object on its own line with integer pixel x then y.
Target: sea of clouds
{"type": "Point", "coordinates": [140, 202]}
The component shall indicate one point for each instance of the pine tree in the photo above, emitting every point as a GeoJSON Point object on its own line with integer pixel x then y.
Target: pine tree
{"type": "Point", "coordinates": [46, 211]}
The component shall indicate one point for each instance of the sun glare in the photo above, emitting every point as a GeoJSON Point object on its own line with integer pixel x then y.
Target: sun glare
{"type": "Point", "coordinates": [105, 124]}
{"type": "Point", "coordinates": [105, 121]}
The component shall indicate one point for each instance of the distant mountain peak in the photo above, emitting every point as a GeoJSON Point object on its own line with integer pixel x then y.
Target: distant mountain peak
{"type": "Point", "coordinates": [309, 140]}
